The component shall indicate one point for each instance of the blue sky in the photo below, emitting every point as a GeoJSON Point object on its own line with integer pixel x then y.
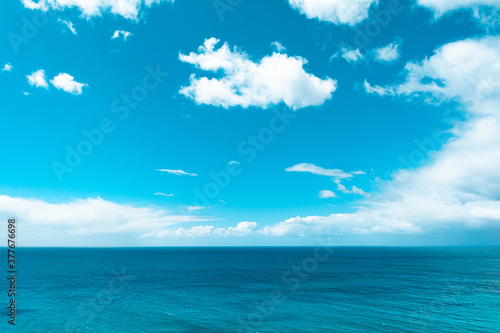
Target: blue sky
{"type": "Point", "coordinates": [385, 139]}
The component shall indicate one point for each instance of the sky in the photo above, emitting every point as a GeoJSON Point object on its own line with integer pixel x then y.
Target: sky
{"type": "Point", "coordinates": [237, 122]}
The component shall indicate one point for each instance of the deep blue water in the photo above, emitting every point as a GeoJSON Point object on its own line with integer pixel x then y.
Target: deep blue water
{"type": "Point", "coordinates": [257, 290]}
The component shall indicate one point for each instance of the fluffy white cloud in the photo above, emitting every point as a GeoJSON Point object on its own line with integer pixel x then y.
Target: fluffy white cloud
{"type": "Point", "coordinates": [336, 11]}
{"type": "Point", "coordinates": [316, 170]}
{"type": "Point", "coordinates": [69, 25]}
{"type": "Point", "coordinates": [177, 172]}
{"type": "Point", "coordinates": [387, 53]}
{"type": "Point", "coordinates": [121, 34]}
{"type": "Point", "coordinates": [275, 79]}
{"type": "Point", "coordinates": [241, 230]}
{"type": "Point", "coordinates": [7, 67]}
{"type": "Point", "coordinates": [88, 216]}
{"type": "Point", "coordinates": [129, 9]}
{"type": "Point", "coordinates": [38, 79]}
{"type": "Point", "coordinates": [326, 194]}
{"type": "Point", "coordinates": [68, 84]}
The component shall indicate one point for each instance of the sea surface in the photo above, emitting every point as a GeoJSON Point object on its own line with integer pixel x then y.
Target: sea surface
{"type": "Point", "coordinates": [263, 289]}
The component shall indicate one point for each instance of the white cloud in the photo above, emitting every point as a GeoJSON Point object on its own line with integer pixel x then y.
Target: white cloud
{"type": "Point", "coordinates": [353, 190]}
{"type": "Point", "coordinates": [458, 188]}
{"type": "Point", "coordinates": [234, 163]}
{"type": "Point", "coordinates": [388, 53]}
{"type": "Point", "coordinates": [275, 79]}
{"type": "Point", "coordinates": [316, 170]}
{"type": "Point", "coordinates": [177, 172]}
{"type": "Point", "coordinates": [335, 11]}
{"type": "Point", "coordinates": [349, 55]}
{"type": "Point", "coordinates": [69, 25]}
{"type": "Point", "coordinates": [128, 9]}
{"type": "Point", "coordinates": [88, 216]}
{"type": "Point", "coordinates": [326, 194]}
{"type": "Point", "coordinates": [191, 208]}
{"type": "Point", "coordinates": [38, 79]}
{"type": "Point", "coordinates": [166, 195]}
{"type": "Point", "coordinates": [278, 47]}
{"type": "Point", "coordinates": [7, 67]}
{"type": "Point", "coordinates": [68, 84]}
{"type": "Point", "coordinates": [121, 34]}
{"type": "Point", "coordinates": [441, 7]}
{"type": "Point", "coordinates": [241, 230]}
{"type": "Point", "coordinates": [378, 90]}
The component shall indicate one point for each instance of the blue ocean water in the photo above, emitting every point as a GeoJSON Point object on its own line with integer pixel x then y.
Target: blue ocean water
{"type": "Point", "coordinates": [278, 289]}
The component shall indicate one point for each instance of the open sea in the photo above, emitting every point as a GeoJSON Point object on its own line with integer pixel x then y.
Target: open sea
{"type": "Point", "coordinates": [261, 289]}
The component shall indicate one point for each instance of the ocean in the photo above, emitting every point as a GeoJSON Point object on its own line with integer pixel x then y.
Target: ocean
{"type": "Point", "coordinates": [260, 289]}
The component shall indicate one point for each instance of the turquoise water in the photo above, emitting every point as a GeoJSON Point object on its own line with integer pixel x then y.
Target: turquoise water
{"type": "Point", "coordinates": [258, 290]}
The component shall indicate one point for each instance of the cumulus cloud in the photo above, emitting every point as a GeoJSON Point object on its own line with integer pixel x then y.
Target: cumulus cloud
{"type": "Point", "coordinates": [241, 230]}
{"type": "Point", "coordinates": [128, 9]}
{"type": "Point", "coordinates": [326, 194]}
{"type": "Point", "coordinates": [122, 35]}
{"type": "Point", "coordinates": [38, 79]}
{"type": "Point", "coordinates": [335, 11]}
{"type": "Point", "coordinates": [388, 53]}
{"type": "Point", "coordinates": [316, 170]}
{"type": "Point", "coordinates": [7, 67]}
{"type": "Point", "coordinates": [89, 216]}
{"type": "Point", "coordinates": [177, 172]}
{"type": "Point", "coordinates": [274, 79]}
{"type": "Point", "coordinates": [67, 83]}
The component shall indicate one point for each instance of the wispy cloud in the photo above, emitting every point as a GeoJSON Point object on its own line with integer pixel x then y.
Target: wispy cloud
{"type": "Point", "coordinates": [326, 194]}
{"type": "Point", "coordinates": [69, 25]}
{"type": "Point", "coordinates": [167, 195]}
{"type": "Point", "coordinates": [349, 55]}
{"type": "Point", "coordinates": [177, 172]}
{"type": "Point", "coordinates": [316, 170]}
